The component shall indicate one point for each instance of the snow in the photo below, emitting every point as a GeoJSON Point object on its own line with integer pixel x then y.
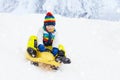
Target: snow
{"type": "Point", "coordinates": [92, 45]}
{"type": "Point", "coordinates": [92, 9]}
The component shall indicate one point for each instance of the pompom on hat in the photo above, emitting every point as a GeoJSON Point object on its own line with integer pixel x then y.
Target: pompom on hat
{"type": "Point", "coordinates": [49, 19]}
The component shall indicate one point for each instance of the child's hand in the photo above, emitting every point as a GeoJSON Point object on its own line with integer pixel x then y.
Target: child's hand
{"type": "Point", "coordinates": [41, 47]}
{"type": "Point", "coordinates": [55, 51]}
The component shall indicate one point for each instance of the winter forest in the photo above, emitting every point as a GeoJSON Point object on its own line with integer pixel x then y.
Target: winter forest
{"type": "Point", "coordinates": [92, 9]}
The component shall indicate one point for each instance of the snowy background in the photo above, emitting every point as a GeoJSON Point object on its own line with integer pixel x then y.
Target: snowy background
{"type": "Point", "coordinates": [95, 9]}
{"type": "Point", "coordinates": [92, 45]}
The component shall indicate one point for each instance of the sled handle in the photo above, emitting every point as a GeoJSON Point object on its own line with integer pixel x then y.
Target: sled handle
{"type": "Point", "coordinates": [47, 50]}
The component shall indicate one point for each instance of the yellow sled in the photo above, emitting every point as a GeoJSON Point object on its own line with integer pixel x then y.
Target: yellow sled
{"type": "Point", "coordinates": [42, 57]}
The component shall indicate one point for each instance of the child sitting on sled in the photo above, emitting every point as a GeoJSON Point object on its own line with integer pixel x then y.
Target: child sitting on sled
{"type": "Point", "coordinates": [47, 40]}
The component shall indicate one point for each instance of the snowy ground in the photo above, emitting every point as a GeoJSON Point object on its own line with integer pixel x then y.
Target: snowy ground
{"type": "Point", "coordinates": [92, 45]}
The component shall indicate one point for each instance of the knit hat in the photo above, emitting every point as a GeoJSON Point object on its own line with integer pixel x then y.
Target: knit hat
{"type": "Point", "coordinates": [49, 19]}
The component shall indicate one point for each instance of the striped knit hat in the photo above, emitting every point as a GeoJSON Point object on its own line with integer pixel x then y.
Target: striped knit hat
{"type": "Point", "coordinates": [49, 19]}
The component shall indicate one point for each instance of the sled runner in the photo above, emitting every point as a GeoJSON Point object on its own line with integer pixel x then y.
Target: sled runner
{"type": "Point", "coordinates": [43, 57]}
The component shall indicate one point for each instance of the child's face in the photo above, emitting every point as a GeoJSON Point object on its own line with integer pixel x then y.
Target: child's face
{"type": "Point", "coordinates": [50, 28]}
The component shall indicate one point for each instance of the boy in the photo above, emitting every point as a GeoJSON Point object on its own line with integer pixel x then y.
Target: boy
{"type": "Point", "coordinates": [47, 40]}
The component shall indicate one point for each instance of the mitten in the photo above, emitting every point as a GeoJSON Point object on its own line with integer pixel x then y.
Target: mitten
{"type": "Point", "coordinates": [55, 51]}
{"type": "Point", "coordinates": [41, 47]}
